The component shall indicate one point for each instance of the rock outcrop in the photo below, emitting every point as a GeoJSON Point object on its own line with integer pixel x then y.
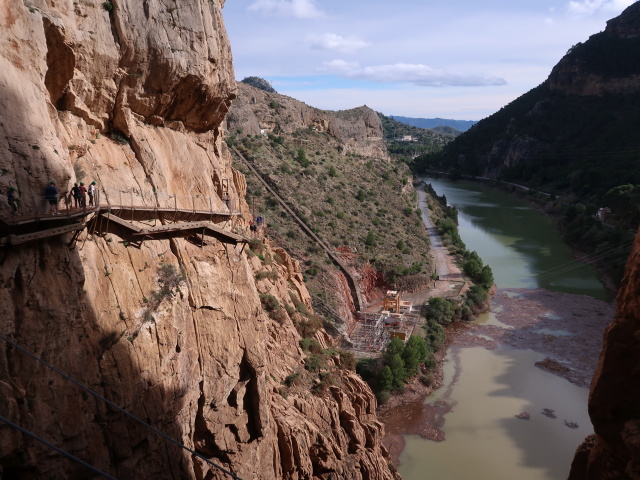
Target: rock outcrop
{"type": "Point", "coordinates": [583, 72]}
{"type": "Point", "coordinates": [614, 400]}
{"type": "Point", "coordinates": [568, 135]}
{"type": "Point", "coordinates": [256, 111]}
{"type": "Point", "coordinates": [132, 94]}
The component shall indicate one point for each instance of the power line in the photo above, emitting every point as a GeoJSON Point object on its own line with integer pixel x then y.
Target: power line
{"type": "Point", "coordinates": [120, 409]}
{"type": "Point", "coordinates": [569, 267]}
{"type": "Point", "coordinates": [578, 264]}
{"type": "Point", "coordinates": [591, 258]}
{"type": "Point", "coordinates": [57, 449]}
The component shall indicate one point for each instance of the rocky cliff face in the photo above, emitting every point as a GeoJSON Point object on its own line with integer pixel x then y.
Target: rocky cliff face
{"type": "Point", "coordinates": [614, 401]}
{"type": "Point", "coordinates": [356, 131]}
{"type": "Point", "coordinates": [581, 73]}
{"type": "Point", "coordinates": [132, 94]}
{"type": "Point", "coordinates": [588, 104]}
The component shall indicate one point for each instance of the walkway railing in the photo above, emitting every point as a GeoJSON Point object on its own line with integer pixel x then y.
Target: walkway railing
{"type": "Point", "coordinates": [38, 207]}
{"type": "Point", "coordinates": [132, 197]}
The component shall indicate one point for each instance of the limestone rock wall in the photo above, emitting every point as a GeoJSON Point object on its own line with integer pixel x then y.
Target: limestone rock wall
{"type": "Point", "coordinates": [614, 400]}
{"type": "Point", "coordinates": [133, 96]}
{"type": "Point", "coordinates": [358, 130]}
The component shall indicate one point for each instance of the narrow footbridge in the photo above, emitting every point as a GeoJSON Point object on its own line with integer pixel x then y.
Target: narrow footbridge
{"type": "Point", "coordinates": [130, 214]}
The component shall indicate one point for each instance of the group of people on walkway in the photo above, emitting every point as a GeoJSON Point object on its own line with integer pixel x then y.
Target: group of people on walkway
{"type": "Point", "coordinates": [255, 225]}
{"type": "Point", "coordinates": [78, 195]}
{"type": "Point", "coordinates": [80, 192]}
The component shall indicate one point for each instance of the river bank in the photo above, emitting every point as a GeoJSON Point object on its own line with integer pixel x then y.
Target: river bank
{"type": "Point", "coordinates": [547, 205]}
{"type": "Point", "coordinates": [549, 332]}
{"type": "Point", "coordinates": [565, 328]}
{"type": "Point", "coordinates": [406, 413]}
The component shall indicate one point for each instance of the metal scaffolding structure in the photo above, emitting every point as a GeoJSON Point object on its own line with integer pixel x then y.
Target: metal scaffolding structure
{"type": "Point", "coordinates": [373, 330]}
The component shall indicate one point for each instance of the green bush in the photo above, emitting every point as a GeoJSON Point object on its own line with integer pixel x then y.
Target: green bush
{"type": "Point", "coordinates": [271, 275]}
{"type": "Point", "coordinates": [119, 137]}
{"type": "Point", "coordinates": [477, 295]}
{"type": "Point", "coordinates": [269, 302]}
{"type": "Point", "coordinates": [414, 353]}
{"type": "Point", "coordinates": [383, 397]}
{"type": "Point", "coordinates": [370, 241]}
{"type": "Point", "coordinates": [302, 159]}
{"type": "Point", "coordinates": [386, 378]}
{"type": "Point", "coordinates": [291, 379]}
{"type": "Point", "coordinates": [325, 381]}
{"type": "Point", "coordinates": [273, 308]}
{"type": "Point", "coordinates": [314, 362]}
{"type": "Point", "coordinates": [441, 310]}
{"type": "Point", "coordinates": [310, 345]}
{"type": "Point", "coordinates": [308, 326]}
{"type": "Point", "coordinates": [347, 360]}
{"type": "Point", "coordinates": [434, 334]}
{"type": "Point", "coordinates": [256, 246]}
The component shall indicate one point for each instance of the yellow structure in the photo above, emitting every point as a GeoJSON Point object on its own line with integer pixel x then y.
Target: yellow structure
{"type": "Point", "coordinates": [401, 335]}
{"type": "Point", "coordinates": [392, 301]}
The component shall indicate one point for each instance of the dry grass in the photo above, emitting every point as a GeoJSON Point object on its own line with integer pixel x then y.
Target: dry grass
{"type": "Point", "coordinates": [365, 204]}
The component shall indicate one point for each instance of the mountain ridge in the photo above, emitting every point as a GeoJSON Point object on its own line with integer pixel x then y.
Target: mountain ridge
{"type": "Point", "coordinates": [460, 125]}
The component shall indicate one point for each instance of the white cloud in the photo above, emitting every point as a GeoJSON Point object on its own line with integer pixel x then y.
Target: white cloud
{"type": "Point", "coordinates": [340, 66]}
{"type": "Point", "coordinates": [332, 41]}
{"type": "Point", "coordinates": [287, 8]}
{"type": "Point", "coordinates": [591, 7]}
{"type": "Point", "coordinates": [415, 74]}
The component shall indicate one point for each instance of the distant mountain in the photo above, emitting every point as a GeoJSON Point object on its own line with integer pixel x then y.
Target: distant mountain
{"type": "Point", "coordinates": [576, 133]}
{"type": "Point", "coordinates": [406, 141]}
{"type": "Point", "coordinates": [260, 83]}
{"type": "Point", "coordinates": [461, 125]}
{"type": "Point", "coordinates": [575, 137]}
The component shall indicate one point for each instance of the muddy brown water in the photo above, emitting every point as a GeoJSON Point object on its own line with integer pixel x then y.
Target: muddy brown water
{"type": "Point", "coordinates": [490, 373]}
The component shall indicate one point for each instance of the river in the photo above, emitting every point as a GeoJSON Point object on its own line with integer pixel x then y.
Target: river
{"type": "Point", "coordinates": [484, 389]}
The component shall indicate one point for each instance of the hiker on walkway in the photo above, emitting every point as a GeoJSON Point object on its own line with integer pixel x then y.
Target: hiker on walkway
{"type": "Point", "coordinates": [11, 199]}
{"type": "Point", "coordinates": [83, 195]}
{"type": "Point", "coordinates": [75, 193]}
{"type": "Point", "coordinates": [226, 198]}
{"type": "Point", "coordinates": [92, 192]}
{"type": "Point", "coordinates": [259, 221]}
{"type": "Point", "coordinates": [51, 195]}
{"type": "Point", "coordinates": [252, 228]}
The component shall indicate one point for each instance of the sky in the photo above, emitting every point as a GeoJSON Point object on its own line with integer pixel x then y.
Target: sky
{"type": "Point", "coordinates": [455, 59]}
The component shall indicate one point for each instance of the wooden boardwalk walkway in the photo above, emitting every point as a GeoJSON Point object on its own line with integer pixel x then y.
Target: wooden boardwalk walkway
{"type": "Point", "coordinates": [204, 226]}
{"type": "Point", "coordinates": [17, 229]}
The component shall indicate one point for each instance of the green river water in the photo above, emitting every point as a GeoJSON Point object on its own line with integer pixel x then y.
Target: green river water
{"type": "Point", "coordinates": [484, 440]}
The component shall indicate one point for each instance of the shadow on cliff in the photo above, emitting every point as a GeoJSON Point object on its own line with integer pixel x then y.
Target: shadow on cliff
{"type": "Point", "coordinates": [47, 311]}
